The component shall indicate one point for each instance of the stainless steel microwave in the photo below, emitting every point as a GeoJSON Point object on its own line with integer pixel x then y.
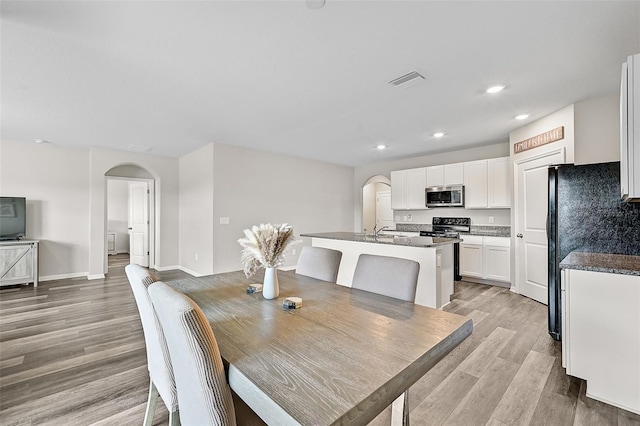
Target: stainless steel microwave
{"type": "Point", "coordinates": [445, 196]}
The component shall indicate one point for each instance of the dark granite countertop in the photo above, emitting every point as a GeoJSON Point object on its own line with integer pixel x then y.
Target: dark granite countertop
{"type": "Point", "coordinates": [393, 240]}
{"type": "Point", "coordinates": [602, 262]}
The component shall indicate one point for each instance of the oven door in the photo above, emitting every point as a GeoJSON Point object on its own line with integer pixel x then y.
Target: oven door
{"type": "Point", "coordinates": [444, 196]}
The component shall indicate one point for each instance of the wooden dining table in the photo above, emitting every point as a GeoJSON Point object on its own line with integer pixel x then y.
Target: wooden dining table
{"type": "Point", "coordinates": [340, 359]}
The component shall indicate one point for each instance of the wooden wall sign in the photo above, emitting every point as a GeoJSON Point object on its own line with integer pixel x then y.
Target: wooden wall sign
{"type": "Point", "coordinates": [539, 140]}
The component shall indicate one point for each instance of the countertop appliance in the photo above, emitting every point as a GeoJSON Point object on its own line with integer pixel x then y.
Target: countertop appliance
{"type": "Point", "coordinates": [585, 214]}
{"type": "Point", "coordinates": [444, 196]}
{"type": "Point", "coordinates": [450, 227]}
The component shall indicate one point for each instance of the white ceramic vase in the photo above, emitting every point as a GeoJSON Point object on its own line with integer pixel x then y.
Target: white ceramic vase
{"type": "Point", "coordinates": [270, 287]}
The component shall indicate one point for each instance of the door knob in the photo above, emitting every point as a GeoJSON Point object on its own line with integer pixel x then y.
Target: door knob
{"type": "Point", "coordinates": [519, 235]}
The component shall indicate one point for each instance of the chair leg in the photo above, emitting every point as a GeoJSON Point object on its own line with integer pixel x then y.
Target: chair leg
{"type": "Point", "coordinates": [151, 404]}
{"type": "Point", "coordinates": [405, 409]}
{"type": "Point", "coordinates": [174, 418]}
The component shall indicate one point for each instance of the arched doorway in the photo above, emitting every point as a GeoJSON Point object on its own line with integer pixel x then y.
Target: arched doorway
{"type": "Point", "coordinates": [376, 203]}
{"type": "Point", "coordinates": [130, 214]}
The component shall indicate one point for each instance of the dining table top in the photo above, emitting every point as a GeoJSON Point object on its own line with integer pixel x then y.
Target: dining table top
{"type": "Point", "coordinates": [341, 358]}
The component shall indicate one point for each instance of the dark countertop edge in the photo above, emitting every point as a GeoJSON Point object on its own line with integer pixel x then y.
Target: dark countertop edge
{"type": "Point", "coordinates": [602, 262]}
{"type": "Point", "coordinates": [350, 236]}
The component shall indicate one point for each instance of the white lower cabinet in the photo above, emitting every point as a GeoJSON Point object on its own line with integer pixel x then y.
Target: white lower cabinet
{"type": "Point", "coordinates": [601, 334]}
{"type": "Point", "coordinates": [487, 258]}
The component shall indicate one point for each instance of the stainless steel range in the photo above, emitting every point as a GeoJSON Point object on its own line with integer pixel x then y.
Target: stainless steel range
{"type": "Point", "coordinates": [450, 227]}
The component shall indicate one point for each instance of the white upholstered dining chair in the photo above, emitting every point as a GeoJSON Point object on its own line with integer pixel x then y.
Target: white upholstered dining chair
{"type": "Point", "coordinates": [204, 396]}
{"type": "Point", "coordinates": [388, 276]}
{"type": "Point", "coordinates": [158, 360]}
{"type": "Point", "coordinates": [320, 263]}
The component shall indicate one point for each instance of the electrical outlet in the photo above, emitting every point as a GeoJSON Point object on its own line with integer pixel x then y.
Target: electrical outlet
{"type": "Point", "coordinates": [224, 221]}
{"type": "Point", "coordinates": [196, 256]}
{"type": "Point", "coordinates": [397, 218]}
{"type": "Point", "coordinates": [405, 218]}
{"type": "Point", "coordinates": [293, 252]}
{"type": "Point", "coordinates": [490, 219]}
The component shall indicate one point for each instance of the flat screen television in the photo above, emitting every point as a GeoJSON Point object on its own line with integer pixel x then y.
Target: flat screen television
{"type": "Point", "coordinates": [13, 218]}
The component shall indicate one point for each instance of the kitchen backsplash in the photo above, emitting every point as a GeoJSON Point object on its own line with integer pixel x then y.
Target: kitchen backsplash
{"type": "Point", "coordinates": [496, 231]}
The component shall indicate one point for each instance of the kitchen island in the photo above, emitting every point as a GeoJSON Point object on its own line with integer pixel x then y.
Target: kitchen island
{"type": "Point", "coordinates": [435, 256]}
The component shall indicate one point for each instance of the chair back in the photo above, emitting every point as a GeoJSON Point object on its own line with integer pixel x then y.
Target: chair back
{"type": "Point", "coordinates": [320, 263]}
{"type": "Point", "coordinates": [158, 359]}
{"type": "Point", "coordinates": [203, 393]}
{"type": "Point", "coordinates": [388, 276]}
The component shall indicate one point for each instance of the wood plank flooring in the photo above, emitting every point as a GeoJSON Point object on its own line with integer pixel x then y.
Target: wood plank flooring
{"type": "Point", "coordinates": [72, 353]}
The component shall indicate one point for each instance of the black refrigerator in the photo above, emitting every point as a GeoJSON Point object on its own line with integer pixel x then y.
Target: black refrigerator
{"type": "Point", "coordinates": [585, 214]}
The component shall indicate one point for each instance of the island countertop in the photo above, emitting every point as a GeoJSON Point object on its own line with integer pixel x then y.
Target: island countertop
{"type": "Point", "coordinates": [385, 239]}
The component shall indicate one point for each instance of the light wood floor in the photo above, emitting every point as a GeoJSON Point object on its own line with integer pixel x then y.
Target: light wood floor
{"type": "Point", "coordinates": [72, 353]}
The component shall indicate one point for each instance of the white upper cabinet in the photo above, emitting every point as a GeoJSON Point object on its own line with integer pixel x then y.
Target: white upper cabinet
{"type": "Point", "coordinates": [487, 184]}
{"type": "Point", "coordinates": [435, 176]}
{"type": "Point", "coordinates": [499, 183]}
{"type": "Point", "coordinates": [415, 188]}
{"type": "Point", "coordinates": [454, 174]}
{"type": "Point", "coordinates": [630, 129]}
{"type": "Point", "coordinates": [399, 190]}
{"type": "Point", "coordinates": [475, 184]}
{"type": "Point", "coordinates": [407, 189]}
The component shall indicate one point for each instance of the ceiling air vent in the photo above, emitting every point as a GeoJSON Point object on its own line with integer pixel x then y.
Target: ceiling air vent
{"type": "Point", "coordinates": [137, 148]}
{"type": "Point", "coordinates": [413, 76]}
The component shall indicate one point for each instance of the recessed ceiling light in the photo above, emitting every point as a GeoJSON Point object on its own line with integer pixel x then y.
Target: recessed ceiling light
{"type": "Point", "coordinates": [42, 141]}
{"type": "Point", "coordinates": [137, 148]}
{"type": "Point", "coordinates": [495, 89]}
{"type": "Point", "coordinates": [438, 135]}
{"type": "Point", "coordinates": [522, 116]}
{"type": "Point", "coordinates": [381, 147]}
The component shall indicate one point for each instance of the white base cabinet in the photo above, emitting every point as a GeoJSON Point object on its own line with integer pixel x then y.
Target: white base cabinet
{"type": "Point", "coordinates": [601, 334]}
{"type": "Point", "coordinates": [19, 262]}
{"type": "Point", "coordinates": [487, 258]}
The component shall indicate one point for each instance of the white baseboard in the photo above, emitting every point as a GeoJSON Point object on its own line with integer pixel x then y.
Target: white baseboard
{"type": "Point", "coordinates": [63, 276]}
{"type": "Point", "coordinates": [95, 277]}
{"type": "Point", "coordinates": [166, 268]}
{"type": "Point", "coordinates": [190, 272]}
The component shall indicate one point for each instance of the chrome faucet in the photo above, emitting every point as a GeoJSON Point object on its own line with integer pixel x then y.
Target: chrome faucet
{"type": "Point", "coordinates": [376, 232]}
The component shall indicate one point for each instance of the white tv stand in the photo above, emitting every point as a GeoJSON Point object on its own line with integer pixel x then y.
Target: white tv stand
{"type": "Point", "coordinates": [19, 262]}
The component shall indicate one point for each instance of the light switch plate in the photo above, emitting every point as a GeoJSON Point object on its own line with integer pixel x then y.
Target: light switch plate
{"type": "Point", "coordinates": [224, 221]}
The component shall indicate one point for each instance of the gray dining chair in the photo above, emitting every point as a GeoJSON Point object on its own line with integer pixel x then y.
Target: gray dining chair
{"type": "Point", "coordinates": [158, 361]}
{"type": "Point", "coordinates": [320, 263]}
{"type": "Point", "coordinates": [204, 396]}
{"type": "Point", "coordinates": [388, 276]}
{"type": "Point", "coordinates": [393, 277]}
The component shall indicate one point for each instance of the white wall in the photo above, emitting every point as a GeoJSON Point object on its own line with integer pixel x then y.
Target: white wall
{"type": "Point", "coordinates": [363, 173]}
{"type": "Point", "coordinates": [118, 212]}
{"type": "Point", "coordinates": [597, 130]}
{"type": "Point", "coordinates": [55, 182]}
{"type": "Point", "coordinates": [196, 211]}
{"type": "Point", "coordinates": [253, 187]}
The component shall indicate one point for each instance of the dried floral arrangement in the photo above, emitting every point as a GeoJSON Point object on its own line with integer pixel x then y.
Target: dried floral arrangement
{"type": "Point", "coordinates": [264, 246]}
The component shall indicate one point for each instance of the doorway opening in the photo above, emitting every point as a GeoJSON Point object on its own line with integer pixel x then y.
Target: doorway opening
{"type": "Point", "coordinates": [376, 204]}
{"type": "Point", "coordinates": [130, 215]}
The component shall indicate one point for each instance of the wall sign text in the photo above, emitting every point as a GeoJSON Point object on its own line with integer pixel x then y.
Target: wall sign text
{"type": "Point", "coordinates": [539, 140]}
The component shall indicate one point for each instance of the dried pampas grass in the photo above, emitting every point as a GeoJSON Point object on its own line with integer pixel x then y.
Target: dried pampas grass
{"type": "Point", "coordinates": [264, 246]}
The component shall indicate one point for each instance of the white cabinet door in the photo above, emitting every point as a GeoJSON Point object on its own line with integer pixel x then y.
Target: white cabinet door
{"type": "Point", "coordinates": [435, 176]}
{"type": "Point", "coordinates": [454, 174]}
{"type": "Point", "coordinates": [475, 184]}
{"type": "Point", "coordinates": [499, 183]}
{"type": "Point", "coordinates": [399, 190]}
{"type": "Point", "coordinates": [471, 260]}
{"type": "Point", "coordinates": [630, 129]}
{"type": "Point", "coordinates": [497, 263]}
{"type": "Point", "coordinates": [415, 189]}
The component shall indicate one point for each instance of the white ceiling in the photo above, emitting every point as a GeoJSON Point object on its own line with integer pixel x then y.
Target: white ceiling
{"type": "Point", "coordinates": [279, 76]}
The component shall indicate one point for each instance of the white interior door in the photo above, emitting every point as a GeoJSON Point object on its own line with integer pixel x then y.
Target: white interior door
{"type": "Point", "coordinates": [531, 190]}
{"type": "Point", "coordinates": [384, 213]}
{"type": "Point", "coordinates": [139, 223]}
